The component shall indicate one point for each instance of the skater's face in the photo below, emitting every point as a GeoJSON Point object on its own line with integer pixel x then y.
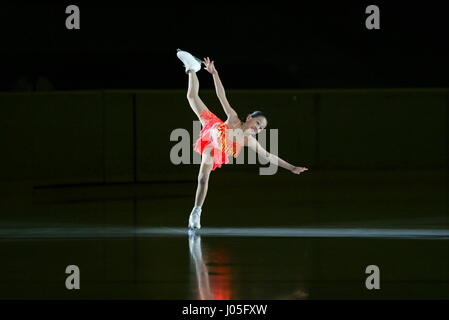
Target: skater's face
{"type": "Point", "coordinates": [256, 124]}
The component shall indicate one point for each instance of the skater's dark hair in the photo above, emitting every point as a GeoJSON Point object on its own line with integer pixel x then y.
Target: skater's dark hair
{"type": "Point", "coordinates": [257, 114]}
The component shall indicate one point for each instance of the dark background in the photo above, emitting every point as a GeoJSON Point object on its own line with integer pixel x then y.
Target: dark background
{"type": "Point", "coordinates": [255, 45]}
{"type": "Point", "coordinates": [110, 94]}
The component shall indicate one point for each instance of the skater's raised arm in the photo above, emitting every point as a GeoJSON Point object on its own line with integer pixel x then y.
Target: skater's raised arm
{"type": "Point", "coordinates": [219, 89]}
{"type": "Point", "coordinates": [254, 145]}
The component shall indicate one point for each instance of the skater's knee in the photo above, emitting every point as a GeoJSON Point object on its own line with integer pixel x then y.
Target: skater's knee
{"type": "Point", "coordinates": [192, 96]}
{"type": "Point", "coordinates": [203, 178]}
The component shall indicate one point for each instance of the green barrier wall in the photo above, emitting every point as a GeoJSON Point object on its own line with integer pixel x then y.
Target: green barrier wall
{"type": "Point", "coordinates": [124, 136]}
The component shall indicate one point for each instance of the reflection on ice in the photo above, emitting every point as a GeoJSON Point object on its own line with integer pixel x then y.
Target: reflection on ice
{"type": "Point", "coordinates": [212, 284]}
{"type": "Point", "coordinates": [202, 274]}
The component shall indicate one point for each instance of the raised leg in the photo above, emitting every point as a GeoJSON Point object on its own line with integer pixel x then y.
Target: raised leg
{"type": "Point", "coordinates": [195, 102]}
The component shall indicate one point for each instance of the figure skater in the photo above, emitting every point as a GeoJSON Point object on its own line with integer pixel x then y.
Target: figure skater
{"type": "Point", "coordinates": [214, 142]}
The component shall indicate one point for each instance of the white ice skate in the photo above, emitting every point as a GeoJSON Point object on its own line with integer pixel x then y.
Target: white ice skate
{"type": "Point", "coordinates": [194, 219]}
{"type": "Point", "coordinates": [191, 63]}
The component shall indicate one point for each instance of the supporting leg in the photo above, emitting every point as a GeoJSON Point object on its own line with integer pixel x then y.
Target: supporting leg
{"type": "Point", "coordinates": [203, 178]}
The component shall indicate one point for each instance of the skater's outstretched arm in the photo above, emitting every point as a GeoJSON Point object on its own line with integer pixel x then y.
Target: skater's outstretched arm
{"type": "Point", "coordinates": [219, 89]}
{"type": "Point", "coordinates": [254, 145]}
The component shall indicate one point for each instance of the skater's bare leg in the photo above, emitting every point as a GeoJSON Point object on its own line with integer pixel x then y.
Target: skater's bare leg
{"type": "Point", "coordinates": [201, 190]}
{"type": "Point", "coordinates": [195, 102]}
{"type": "Point", "coordinates": [203, 178]}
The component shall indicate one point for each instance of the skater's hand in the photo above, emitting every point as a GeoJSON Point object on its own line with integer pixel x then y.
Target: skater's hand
{"type": "Point", "coordinates": [209, 66]}
{"type": "Point", "coordinates": [298, 170]}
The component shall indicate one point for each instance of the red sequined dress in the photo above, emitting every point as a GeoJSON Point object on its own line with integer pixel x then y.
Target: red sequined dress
{"type": "Point", "coordinates": [226, 147]}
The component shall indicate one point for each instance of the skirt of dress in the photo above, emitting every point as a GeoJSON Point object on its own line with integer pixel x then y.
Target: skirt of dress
{"type": "Point", "coordinates": [205, 140]}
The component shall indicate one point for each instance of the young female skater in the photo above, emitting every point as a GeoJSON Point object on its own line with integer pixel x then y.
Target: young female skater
{"type": "Point", "coordinates": [217, 139]}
